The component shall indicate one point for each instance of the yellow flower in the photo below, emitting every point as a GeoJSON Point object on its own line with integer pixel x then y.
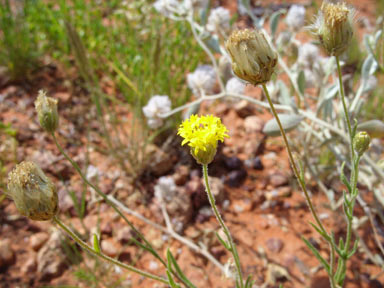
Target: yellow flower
{"type": "Point", "coordinates": [202, 134]}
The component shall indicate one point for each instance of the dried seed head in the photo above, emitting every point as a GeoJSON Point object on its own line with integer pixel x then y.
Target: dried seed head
{"type": "Point", "coordinates": [34, 194]}
{"type": "Point", "coordinates": [333, 27]}
{"type": "Point", "coordinates": [46, 108]}
{"type": "Point", "coordinates": [253, 59]}
{"type": "Point", "coordinates": [361, 142]}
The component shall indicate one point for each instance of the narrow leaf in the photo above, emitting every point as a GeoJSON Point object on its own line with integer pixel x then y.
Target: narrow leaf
{"type": "Point", "coordinates": [225, 244]}
{"type": "Point", "coordinates": [274, 21]}
{"type": "Point", "coordinates": [317, 255]}
{"type": "Point", "coordinates": [319, 230]}
{"type": "Point", "coordinates": [301, 82]}
{"type": "Point", "coordinates": [341, 244]}
{"type": "Point", "coordinates": [354, 249]}
{"type": "Point", "coordinates": [172, 282]}
{"type": "Point", "coordinates": [179, 272]}
{"type": "Point", "coordinates": [96, 244]}
{"type": "Point", "coordinates": [369, 67]}
{"type": "Point", "coordinates": [249, 282]}
{"type": "Point", "coordinates": [344, 179]}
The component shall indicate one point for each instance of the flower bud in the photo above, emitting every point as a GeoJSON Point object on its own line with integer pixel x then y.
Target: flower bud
{"type": "Point", "coordinates": [333, 27]}
{"type": "Point", "coordinates": [34, 194]}
{"type": "Point", "coordinates": [46, 108]}
{"type": "Point", "coordinates": [361, 142]}
{"type": "Point", "coordinates": [253, 59]}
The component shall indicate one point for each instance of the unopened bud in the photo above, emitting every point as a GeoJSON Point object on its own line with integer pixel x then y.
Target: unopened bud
{"type": "Point", "coordinates": [34, 194]}
{"type": "Point", "coordinates": [333, 27]}
{"type": "Point", "coordinates": [253, 59]}
{"type": "Point", "coordinates": [361, 142]}
{"type": "Point", "coordinates": [46, 108]}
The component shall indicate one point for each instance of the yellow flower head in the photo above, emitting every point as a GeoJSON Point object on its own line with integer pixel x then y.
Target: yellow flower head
{"type": "Point", "coordinates": [202, 134]}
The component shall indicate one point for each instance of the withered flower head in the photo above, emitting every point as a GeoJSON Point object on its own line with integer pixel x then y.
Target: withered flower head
{"type": "Point", "coordinates": [34, 194]}
{"type": "Point", "coordinates": [333, 27]}
{"type": "Point", "coordinates": [253, 59]}
{"type": "Point", "coordinates": [46, 108]}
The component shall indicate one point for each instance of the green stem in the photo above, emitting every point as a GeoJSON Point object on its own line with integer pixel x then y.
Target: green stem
{"type": "Point", "coordinates": [354, 177]}
{"type": "Point", "coordinates": [302, 183]}
{"type": "Point", "coordinates": [353, 180]}
{"type": "Point", "coordinates": [233, 249]}
{"type": "Point", "coordinates": [147, 245]}
{"type": "Point", "coordinates": [294, 167]}
{"type": "Point", "coordinates": [88, 248]}
{"type": "Point", "coordinates": [105, 197]}
{"type": "Point", "coordinates": [342, 96]}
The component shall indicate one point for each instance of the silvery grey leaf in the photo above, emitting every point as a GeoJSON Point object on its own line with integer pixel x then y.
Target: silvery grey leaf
{"type": "Point", "coordinates": [288, 121]}
{"type": "Point", "coordinates": [375, 128]}
{"type": "Point", "coordinates": [369, 67]}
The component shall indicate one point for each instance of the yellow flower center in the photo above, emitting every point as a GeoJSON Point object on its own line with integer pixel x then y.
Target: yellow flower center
{"type": "Point", "coordinates": [202, 133]}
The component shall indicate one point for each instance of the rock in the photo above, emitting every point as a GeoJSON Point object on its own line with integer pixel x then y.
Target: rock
{"type": "Point", "coordinates": [277, 180]}
{"type": "Point", "coordinates": [204, 214]}
{"type": "Point", "coordinates": [180, 209]}
{"type": "Point", "coordinates": [124, 235]}
{"type": "Point", "coordinates": [253, 124]}
{"type": "Point", "coordinates": [315, 243]}
{"type": "Point", "coordinates": [276, 273]}
{"type": "Point", "coordinates": [63, 97]}
{"type": "Point", "coordinates": [181, 175]}
{"type": "Point", "coordinates": [217, 189]}
{"type": "Point", "coordinates": [243, 205]}
{"type": "Point", "coordinates": [236, 178]}
{"type": "Point", "coordinates": [38, 240]}
{"type": "Point", "coordinates": [274, 245]}
{"type": "Point", "coordinates": [233, 163]}
{"type": "Point", "coordinates": [65, 201]}
{"type": "Point", "coordinates": [7, 256]}
{"type": "Point", "coordinates": [160, 162]}
{"type": "Point", "coordinates": [269, 160]}
{"type": "Point", "coordinates": [125, 257]}
{"type": "Point", "coordinates": [244, 236]}
{"type": "Point", "coordinates": [243, 109]}
{"type": "Point", "coordinates": [372, 283]}
{"type": "Point", "coordinates": [254, 163]}
{"type": "Point", "coordinates": [279, 193]}
{"type": "Point", "coordinates": [109, 247]}
{"type": "Point", "coordinates": [153, 265]}
{"type": "Point", "coordinates": [195, 188]}
{"type": "Point", "coordinates": [51, 259]}
{"type": "Point", "coordinates": [106, 228]}
{"type": "Point", "coordinates": [30, 265]}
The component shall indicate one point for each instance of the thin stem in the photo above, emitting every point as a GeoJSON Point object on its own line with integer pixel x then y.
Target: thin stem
{"type": "Point", "coordinates": [212, 201]}
{"type": "Point", "coordinates": [88, 248]}
{"type": "Point", "coordinates": [342, 96]}
{"type": "Point", "coordinates": [173, 234]}
{"type": "Point", "coordinates": [353, 180]}
{"type": "Point", "coordinates": [302, 184]}
{"type": "Point", "coordinates": [294, 167]}
{"type": "Point", "coordinates": [147, 245]}
{"type": "Point", "coordinates": [105, 197]}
